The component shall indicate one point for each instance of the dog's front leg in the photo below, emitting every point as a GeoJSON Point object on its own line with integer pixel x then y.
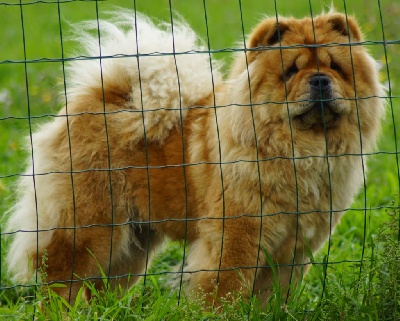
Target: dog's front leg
{"type": "Point", "coordinates": [224, 259]}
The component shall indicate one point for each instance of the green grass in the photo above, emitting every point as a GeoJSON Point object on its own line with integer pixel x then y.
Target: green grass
{"type": "Point", "coordinates": [31, 89]}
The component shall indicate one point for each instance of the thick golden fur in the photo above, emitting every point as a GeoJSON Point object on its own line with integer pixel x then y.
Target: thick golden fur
{"type": "Point", "coordinates": [270, 170]}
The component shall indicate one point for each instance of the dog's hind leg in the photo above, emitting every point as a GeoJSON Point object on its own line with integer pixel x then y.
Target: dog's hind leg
{"type": "Point", "coordinates": [106, 256]}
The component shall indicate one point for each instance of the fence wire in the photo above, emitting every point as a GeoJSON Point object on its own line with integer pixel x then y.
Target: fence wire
{"type": "Point", "coordinates": [21, 115]}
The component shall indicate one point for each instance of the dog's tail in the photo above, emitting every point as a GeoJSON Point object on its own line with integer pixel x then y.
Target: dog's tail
{"type": "Point", "coordinates": [158, 68]}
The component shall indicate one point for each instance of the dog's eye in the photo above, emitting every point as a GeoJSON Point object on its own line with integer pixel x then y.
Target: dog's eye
{"type": "Point", "coordinates": [336, 67]}
{"type": "Point", "coordinates": [291, 71]}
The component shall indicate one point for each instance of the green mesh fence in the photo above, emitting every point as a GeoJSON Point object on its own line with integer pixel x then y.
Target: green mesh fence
{"type": "Point", "coordinates": [36, 53]}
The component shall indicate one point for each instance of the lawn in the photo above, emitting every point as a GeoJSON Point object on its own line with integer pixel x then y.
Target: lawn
{"type": "Point", "coordinates": [34, 36]}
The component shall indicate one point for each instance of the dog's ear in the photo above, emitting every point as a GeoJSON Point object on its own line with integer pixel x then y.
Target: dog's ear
{"type": "Point", "coordinates": [267, 33]}
{"type": "Point", "coordinates": [346, 26]}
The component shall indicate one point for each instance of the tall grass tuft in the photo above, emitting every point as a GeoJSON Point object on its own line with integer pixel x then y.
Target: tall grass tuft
{"type": "Point", "coordinates": [369, 290]}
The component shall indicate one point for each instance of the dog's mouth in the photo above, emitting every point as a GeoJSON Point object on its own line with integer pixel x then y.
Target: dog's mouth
{"type": "Point", "coordinates": [318, 114]}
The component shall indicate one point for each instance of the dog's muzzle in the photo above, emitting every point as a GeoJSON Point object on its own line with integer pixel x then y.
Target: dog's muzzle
{"type": "Point", "coordinates": [322, 108]}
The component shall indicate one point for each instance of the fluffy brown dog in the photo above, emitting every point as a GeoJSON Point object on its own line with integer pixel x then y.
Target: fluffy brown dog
{"type": "Point", "coordinates": [252, 170]}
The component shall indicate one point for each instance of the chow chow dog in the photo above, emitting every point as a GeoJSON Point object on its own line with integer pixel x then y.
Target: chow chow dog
{"type": "Point", "coordinates": [253, 170]}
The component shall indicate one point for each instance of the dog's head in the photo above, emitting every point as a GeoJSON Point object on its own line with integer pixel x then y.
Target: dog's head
{"type": "Point", "coordinates": [310, 78]}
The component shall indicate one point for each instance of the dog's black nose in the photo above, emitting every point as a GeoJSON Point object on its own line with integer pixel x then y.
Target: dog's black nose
{"type": "Point", "coordinates": [320, 83]}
